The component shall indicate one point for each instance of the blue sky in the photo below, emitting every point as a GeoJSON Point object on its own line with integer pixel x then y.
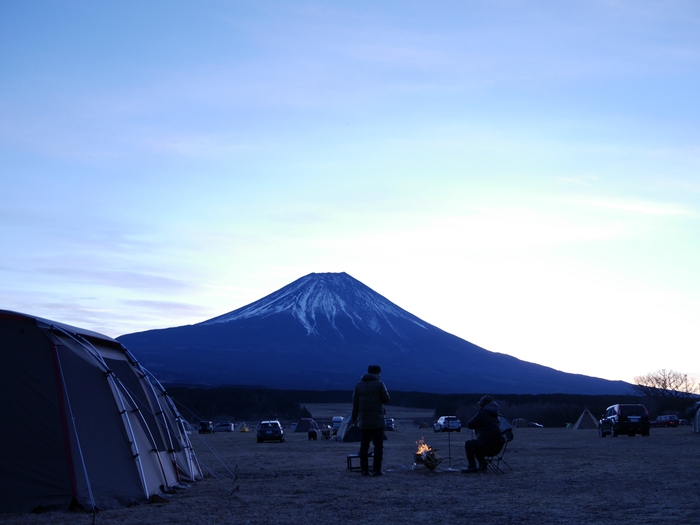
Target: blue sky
{"type": "Point", "coordinates": [524, 175]}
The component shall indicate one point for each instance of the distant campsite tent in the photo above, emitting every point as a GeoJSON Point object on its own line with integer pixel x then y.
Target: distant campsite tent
{"type": "Point", "coordinates": [586, 421]}
{"type": "Point", "coordinates": [347, 432]}
{"type": "Point", "coordinates": [88, 426]}
{"type": "Point", "coordinates": [305, 424]}
{"type": "Point", "coordinates": [520, 423]}
{"type": "Point", "coordinates": [503, 423]}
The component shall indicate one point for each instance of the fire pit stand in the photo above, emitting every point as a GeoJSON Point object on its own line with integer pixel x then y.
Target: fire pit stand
{"type": "Point", "coordinates": [449, 452]}
{"type": "Point", "coordinates": [426, 456]}
{"type": "Point", "coordinates": [431, 465]}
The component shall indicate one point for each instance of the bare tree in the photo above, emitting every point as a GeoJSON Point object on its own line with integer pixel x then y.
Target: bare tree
{"type": "Point", "coordinates": [666, 383]}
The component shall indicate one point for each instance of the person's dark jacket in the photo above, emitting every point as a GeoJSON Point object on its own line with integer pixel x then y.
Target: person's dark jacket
{"type": "Point", "coordinates": [367, 402]}
{"type": "Point", "coordinates": [486, 424]}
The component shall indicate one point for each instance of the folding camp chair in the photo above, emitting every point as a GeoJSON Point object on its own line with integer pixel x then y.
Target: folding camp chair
{"type": "Point", "coordinates": [494, 462]}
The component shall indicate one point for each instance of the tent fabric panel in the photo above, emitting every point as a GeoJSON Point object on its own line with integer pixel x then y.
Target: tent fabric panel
{"type": "Point", "coordinates": [140, 392]}
{"type": "Point", "coordinates": [352, 435]}
{"type": "Point", "coordinates": [102, 441]}
{"type": "Point", "coordinates": [177, 433]}
{"type": "Point", "coordinates": [187, 463]}
{"type": "Point", "coordinates": [34, 468]}
{"type": "Point", "coordinates": [150, 461]}
{"type": "Point", "coordinates": [347, 432]}
{"type": "Point", "coordinates": [127, 375]}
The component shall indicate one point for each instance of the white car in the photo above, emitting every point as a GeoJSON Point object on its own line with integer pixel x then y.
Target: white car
{"type": "Point", "coordinates": [447, 424]}
{"type": "Point", "coordinates": [224, 426]}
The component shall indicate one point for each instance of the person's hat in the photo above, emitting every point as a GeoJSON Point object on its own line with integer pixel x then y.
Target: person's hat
{"type": "Point", "coordinates": [485, 401]}
{"type": "Point", "coordinates": [374, 369]}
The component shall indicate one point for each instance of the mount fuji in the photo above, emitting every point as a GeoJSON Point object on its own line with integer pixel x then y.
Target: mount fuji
{"type": "Point", "coordinates": [320, 333]}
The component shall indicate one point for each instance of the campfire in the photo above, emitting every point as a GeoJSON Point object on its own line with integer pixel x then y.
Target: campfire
{"type": "Point", "coordinates": [426, 455]}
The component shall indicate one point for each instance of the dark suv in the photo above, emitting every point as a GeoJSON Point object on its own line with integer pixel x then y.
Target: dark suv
{"type": "Point", "coordinates": [624, 419]}
{"type": "Point", "coordinates": [270, 431]}
{"type": "Point", "coordinates": [206, 427]}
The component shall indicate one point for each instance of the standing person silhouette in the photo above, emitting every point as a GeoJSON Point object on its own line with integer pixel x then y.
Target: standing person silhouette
{"type": "Point", "coordinates": [368, 412]}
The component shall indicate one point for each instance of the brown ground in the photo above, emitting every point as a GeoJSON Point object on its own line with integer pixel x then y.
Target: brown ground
{"type": "Point", "coordinates": [558, 476]}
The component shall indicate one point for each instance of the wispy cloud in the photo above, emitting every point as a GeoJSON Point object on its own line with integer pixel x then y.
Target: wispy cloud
{"type": "Point", "coordinates": [583, 180]}
{"type": "Point", "coordinates": [120, 279]}
{"type": "Point", "coordinates": [642, 207]}
{"type": "Point", "coordinates": [206, 145]}
{"type": "Point", "coordinates": [172, 308]}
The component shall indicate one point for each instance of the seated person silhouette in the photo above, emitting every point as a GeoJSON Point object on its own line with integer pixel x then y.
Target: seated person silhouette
{"type": "Point", "coordinates": [487, 442]}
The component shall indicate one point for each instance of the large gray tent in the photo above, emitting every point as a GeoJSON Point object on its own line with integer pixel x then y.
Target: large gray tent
{"type": "Point", "coordinates": [348, 432]}
{"type": "Point", "coordinates": [585, 421]}
{"type": "Point", "coordinates": [83, 423]}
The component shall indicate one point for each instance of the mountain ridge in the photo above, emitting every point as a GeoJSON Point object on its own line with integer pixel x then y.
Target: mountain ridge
{"type": "Point", "coordinates": [322, 330]}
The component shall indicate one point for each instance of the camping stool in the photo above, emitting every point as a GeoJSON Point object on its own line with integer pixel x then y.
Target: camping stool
{"type": "Point", "coordinates": [351, 457]}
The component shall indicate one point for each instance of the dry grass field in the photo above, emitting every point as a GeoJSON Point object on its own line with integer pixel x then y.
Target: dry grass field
{"type": "Point", "coordinates": [558, 476]}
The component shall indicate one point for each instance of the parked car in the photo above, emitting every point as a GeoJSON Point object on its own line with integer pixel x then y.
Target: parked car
{"type": "Point", "coordinates": [666, 421]}
{"type": "Point", "coordinates": [535, 425]}
{"type": "Point", "coordinates": [624, 419]}
{"type": "Point", "coordinates": [270, 431]}
{"type": "Point", "coordinates": [389, 423]}
{"type": "Point", "coordinates": [224, 426]}
{"type": "Point", "coordinates": [447, 424]}
{"type": "Point", "coordinates": [335, 424]}
{"type": "Point", "coordinates": [206, 427]}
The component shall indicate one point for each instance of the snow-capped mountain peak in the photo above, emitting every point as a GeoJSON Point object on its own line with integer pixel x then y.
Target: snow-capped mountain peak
{"type": "Point", "coordinates": [327, 295]}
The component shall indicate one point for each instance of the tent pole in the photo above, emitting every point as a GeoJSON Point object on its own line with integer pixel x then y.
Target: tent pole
{"type": "Point", "coordinates": [160, 417]}
{"type": "Point", "coordinates": [127, 424]}
{"type": "Point", "coordinates": [192, 461]}
{"type": "Point", "coordinates": [148, 432]}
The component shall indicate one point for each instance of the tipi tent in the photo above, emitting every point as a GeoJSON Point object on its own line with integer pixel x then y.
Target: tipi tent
{"type": "Point", "coordinates": [503, 423]}
{"type": "Point", "coordinates": [586, 421]}
{"type": "Point", "coordinates": [87, 426]}
{"type": "Point", "coordinates": [347, 432]}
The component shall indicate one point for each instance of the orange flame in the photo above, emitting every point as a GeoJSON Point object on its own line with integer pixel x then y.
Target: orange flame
{"type": "Point", "coordinates": [422, 446]}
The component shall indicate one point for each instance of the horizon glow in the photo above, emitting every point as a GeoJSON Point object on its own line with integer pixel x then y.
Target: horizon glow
{"type": "Point", "coordinates": [523, 176]}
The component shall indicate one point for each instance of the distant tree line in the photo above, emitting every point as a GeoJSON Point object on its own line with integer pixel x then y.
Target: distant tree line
{"type": "Point", "coordinates": [237, 404]}
{"type": "Point", "coordinates": [254, 404]}
{"type": "Point", "coordinates": [257, 403]}
{"type": "Point", "coordinates": [668, 392]}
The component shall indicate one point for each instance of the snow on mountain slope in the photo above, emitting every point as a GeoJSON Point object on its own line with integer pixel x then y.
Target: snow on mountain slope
{"type": "Point", "coordinates": [329, 295]}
